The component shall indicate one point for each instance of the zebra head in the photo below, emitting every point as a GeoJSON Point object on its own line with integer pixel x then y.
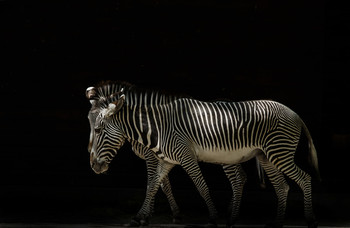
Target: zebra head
{"type": "Point", "coordinates": [106, 137]}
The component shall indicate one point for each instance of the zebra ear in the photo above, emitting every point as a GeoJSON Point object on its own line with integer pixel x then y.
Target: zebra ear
{"type": "Point", "coordinates": [115, 106]}
{"type": "Point", "coordinates": [91, 95]}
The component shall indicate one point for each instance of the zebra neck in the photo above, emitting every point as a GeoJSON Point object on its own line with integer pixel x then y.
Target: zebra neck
{"type": "Point", "coordinates": [141, 124]}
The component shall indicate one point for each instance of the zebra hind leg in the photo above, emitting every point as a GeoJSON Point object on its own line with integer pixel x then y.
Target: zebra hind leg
{"type": "Point", "coordinates": [281, 188]}
{"type": "Point", "coordinates": [237, 178]}
{"type": "Point", "coordinates": [288, 167]}
{"type": "Point", "coordinates": [304, 181]}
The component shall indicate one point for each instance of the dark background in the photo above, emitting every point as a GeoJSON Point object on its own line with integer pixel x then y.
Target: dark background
{"type": "Point", "coordinates": [294, 52]}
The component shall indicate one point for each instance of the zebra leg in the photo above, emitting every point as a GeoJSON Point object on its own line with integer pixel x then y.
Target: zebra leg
{"type": "Point", "coordinates": [151, 163]}
{"type": "Point", "coordinates": [237, 178]}
{"type": "Point", "coordinates": [281, 187]}
{"type": "Point", "coordinates": [163, 168]}
{"type": "Point", "coordinates": [192, 168]}
{"type": "Point", "coordinates": [304, 181]}
{"type": "Point", "coordinates": [166, 187]}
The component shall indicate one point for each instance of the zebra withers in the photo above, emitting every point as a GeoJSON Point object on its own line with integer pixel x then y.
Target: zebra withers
{"type": "Point", "coordinates": [186, 131]}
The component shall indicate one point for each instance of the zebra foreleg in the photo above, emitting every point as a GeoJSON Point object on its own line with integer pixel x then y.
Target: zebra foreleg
{"type": "Point", "coordinates": [163, 168]}
{"type": "Point", "coordinates": [192, 168]}
{"type": "Point", "coordinates": [281, 187]}
{"type": "Point", "coordinates": [237, 178]}
{"type": "Point", "coordinates": [152, 163]}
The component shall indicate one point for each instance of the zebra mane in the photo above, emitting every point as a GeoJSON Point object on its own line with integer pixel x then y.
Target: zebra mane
{"type": "Point", "coordinates": [110, 91]}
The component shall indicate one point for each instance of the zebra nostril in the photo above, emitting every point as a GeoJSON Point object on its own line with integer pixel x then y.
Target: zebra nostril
{"type": "Point", "coordinates": [93, 164]}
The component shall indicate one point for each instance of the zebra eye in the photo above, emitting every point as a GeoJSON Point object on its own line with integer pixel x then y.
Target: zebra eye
{"type": "Point", "coordinates": [97, 130]}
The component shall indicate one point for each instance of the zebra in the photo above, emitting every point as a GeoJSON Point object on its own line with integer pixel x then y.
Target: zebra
{"type": "Point", "coordinates": [187, 131]}
{"type": "Point", "coordinates": [235, 173]}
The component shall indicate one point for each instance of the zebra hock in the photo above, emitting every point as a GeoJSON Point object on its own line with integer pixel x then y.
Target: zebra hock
{"type": "Point", "coordinates": [187, 131]}
{"type": "Point", "coordinates": [234, 173]}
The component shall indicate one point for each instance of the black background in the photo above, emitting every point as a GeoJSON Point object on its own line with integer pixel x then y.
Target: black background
{"type": "Point", "coordinates": [294, 52]}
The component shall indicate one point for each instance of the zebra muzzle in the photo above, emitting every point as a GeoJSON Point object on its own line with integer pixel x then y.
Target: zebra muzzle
{"type": "Point", "coordinates": [99, 167]}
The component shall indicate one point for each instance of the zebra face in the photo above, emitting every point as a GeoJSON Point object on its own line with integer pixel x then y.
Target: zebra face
{"type": "Point", "coordinates": [106, 137]}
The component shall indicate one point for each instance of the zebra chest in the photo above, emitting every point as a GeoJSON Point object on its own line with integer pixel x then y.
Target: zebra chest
{"type": "Point", "coordinates": [220, 156]}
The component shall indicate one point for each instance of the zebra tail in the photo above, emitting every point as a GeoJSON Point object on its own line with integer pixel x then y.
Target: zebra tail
{"type": "Point", "coordinates": [313, 160]}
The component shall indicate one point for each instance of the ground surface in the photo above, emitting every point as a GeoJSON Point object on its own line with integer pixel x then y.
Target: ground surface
{"type": "Point", "coordinates": [61, 207]}
{"type": "Point", "coordinates": [121, 225]}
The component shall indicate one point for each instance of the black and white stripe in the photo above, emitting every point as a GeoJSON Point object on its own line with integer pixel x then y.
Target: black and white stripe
{"type": "Point", "coordinates": [186, 131]}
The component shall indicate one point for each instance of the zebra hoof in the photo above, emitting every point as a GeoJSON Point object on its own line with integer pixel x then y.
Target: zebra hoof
{"type": "Point", "coordinates": [132, 224]}
{"type": "Point", "coordinates": [177, 220]}
{"type": "Point", "coordinates": [144, 222]}
{"type": "Point", "coordinates": [231, 223]}
{"type": "Point", "coordinates": [135, 222]}
{"type": "Point", "coordinates": [313, 224]}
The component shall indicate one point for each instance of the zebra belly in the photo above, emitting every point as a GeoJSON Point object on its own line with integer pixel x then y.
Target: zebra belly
{"type": "Point", "coordinates": [220, 156]}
